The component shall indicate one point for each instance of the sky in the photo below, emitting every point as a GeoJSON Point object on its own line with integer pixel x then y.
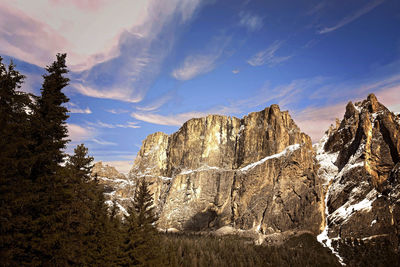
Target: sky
{"type": "Point", "coordinates": [138, 67]}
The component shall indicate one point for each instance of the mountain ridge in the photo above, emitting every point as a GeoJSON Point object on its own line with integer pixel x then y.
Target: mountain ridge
{"type": "Point", "coordinates": [260, 174]}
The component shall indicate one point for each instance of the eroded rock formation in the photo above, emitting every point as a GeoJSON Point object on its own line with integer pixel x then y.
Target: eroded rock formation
{"type": "Point", "coordinates": [117, 187]}
{"type": "Point", "coordinates": [360, 163]}
{"type": "Point", "coordinates": [253, 173]}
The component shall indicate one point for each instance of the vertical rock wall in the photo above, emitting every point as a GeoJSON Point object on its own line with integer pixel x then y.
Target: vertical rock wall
{"type": "Point", "coordinates": [252, 173]}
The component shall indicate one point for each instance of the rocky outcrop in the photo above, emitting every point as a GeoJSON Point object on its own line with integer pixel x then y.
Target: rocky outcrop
{"type": "Point", "coordinates": [255, 173]}
{"type": "Point", "coordinates": [117, 187]}
{"type": "Point", "coordinates": [359, 161]}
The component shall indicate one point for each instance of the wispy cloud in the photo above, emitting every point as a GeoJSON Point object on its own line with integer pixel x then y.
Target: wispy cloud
{"type": "Point", "coordinates": [250, 21]}
{"type": "Point", "coordinates": [316, 8]}
{"type": "Point", "coordinates": [195, 65]}
{"type": "Point", "coordinates": [117, 60]}
{"type": "Point", "coordinates": [236, 71]}
{"type": "Point", "coordinates": [350, 18]}
{"type": "Point", "coordinates": [201, 63]}
{"type": "Point", "coordinates": [171, 120]}
{"type": "Point", "coordinates": [283, 94]}
{"type": "Point", "coordinates": [156, 104]}
{"type": "Point", "coordinates": [101, 124]}
{"type": "Point", "coordinates": [122, 94]}
{"type": "Point", "coordinates": [103, 142]}
{"type": "Point", "coordinates": [117, 111]}
{"type": "Point", "coordinates": [315, 120]}
{"type": "Point", "coordinates": [78, 133]}
{"type": "Point", "coordinates": [268, 56]}
{"type": "Point", "coordinates": [74, 108]}
{"type": "Point", "coordinates": [56, 26]}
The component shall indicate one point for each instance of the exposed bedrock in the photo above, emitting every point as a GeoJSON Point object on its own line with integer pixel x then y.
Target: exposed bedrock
{"type": "Point", "coordinates": [254, 173]}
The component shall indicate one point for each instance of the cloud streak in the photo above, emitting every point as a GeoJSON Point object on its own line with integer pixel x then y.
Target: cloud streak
{"type": "Point", "coordinates": [284, 94]}
{"type": "Point", "coordinates": [156, 104]}
{"type": "Point", "coordinates": [201, 63]}
{"type": "Point", "coordinates": [118, 60]}
{"type": "Point", "coordinates": [78, 133]}
{"type": "Point", "coordinates": [346, 20]}
{"type": "Point", "coordinates": [100, 124]}
{"type": "Point", "coordinates": [103, 142]}
{"type": "Point", "coordinates": [171, 120]}
{"type": "Point", "coordinates": [117, 111]}
{"type": "Point", "coordinates": [73, 108]}
{"type": "Point", "coordinates": [250, 21]}
{"type": "Point", "coordinates": [268, 56]}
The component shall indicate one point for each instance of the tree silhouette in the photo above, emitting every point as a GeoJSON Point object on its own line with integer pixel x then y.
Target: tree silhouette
{"type": "Point", "coordinates": [141, 245]}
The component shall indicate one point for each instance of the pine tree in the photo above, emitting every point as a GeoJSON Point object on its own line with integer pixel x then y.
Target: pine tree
{"type": "Point", "coordinates": [15, 166]}
{"type": "Point", "coordinates": [80, 163]}
{"type": "Point", "coordinates": [49, 120]}
{"type": "Point", "coordinates": [14, 121]}
{"type": "Point", "coordinates": [54, 195]}
{"type": "Point", "coordinates": [93, 232]}
{"type": "Point", "coordinates": [141, 243]}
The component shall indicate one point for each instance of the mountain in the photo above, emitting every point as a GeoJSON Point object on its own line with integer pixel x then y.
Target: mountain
{"type": "Point", "coordinates": [359, 162]}
{"type": "Point", "coordinates": [260, 175]}
{"type": "Point", "coordinates": [256, 173]}
{"type": "Point", "coordinates": [116, 185]}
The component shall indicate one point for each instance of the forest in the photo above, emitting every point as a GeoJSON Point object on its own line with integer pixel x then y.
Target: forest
{"type": "Point", "coordinates": [53, 213]}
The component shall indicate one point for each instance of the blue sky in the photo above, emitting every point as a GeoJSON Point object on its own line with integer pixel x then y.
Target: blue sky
{"type": "Point", "coordinates": [138, 67]}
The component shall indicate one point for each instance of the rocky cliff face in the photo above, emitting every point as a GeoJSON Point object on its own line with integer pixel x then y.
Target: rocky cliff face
{"type": "Point", "coordinates": [255, 173]}
{"type": "Point", "coordinates": [359, 160]}
{"type": "Point", "coordinates": [261, 175]}
{"type": "Point", "coordinates": [117, 187]}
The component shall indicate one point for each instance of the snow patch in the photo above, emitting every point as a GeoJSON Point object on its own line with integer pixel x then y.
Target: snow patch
{"type": "Point", "coordinates": [202, 168]}
{"type": "Point", "coordinates": [348, 209]}
{"type": "Point", "coordinates": [241, 129]}
{"type": "Point", "coordinates": [358, 108]}
{"type": "Point", "coordinates": [323, 237]}
{"type": "Point", "coordinates": [327, 170]}
{"type": "Point", "coordinates": [278, 155]}
{"type": "Point", "coordinates": [121, 208]}
{"type": "Point", "coordinates": [373, 222]}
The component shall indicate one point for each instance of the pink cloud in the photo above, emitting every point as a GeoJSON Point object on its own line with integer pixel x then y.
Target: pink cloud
{"type": "Point", "coordinates": [90, 31]}
{"type": "Point", "coordinates": [390, 97]}
{"type": "Point", "coordinates": [315, 121]}
{"type": "Point", "coordinates": [26, 38]}
{"type": "Point", "coordinates": [90, 5]}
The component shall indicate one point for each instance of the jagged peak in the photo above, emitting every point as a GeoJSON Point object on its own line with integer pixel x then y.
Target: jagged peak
{"type": "Point", "coordinates": [370, 127]}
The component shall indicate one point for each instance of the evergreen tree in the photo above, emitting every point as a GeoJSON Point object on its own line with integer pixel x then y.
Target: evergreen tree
{"type": "Point", "coordinates": [80, 163]}
{"type": "Point", "coordinates": [49, 120]}
{"type": "Point", "coordinates": [141, 244]}
{"type": "Point", "coordinates": [93, 231]}
{"type": "Point", "coordinates": [54, 195]}
{"type": "Point", "coordinates": [14, 122]}
{"type": "Point", "coordinates": [15, 166]}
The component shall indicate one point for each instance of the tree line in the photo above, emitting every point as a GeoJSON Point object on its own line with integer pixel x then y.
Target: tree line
{"type": "Point", "coordinates": [52, 212]}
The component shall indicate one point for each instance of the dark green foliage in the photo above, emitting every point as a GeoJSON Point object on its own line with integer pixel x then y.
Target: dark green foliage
{"type": "Point", "coordinates": [375, 252]}
{"type": "Point", "coordinates": [50, 215]}
{"type": "Point", "coordinates": [15, 163]}
{"type": "Point", "coordinates": [80, 164]}
{"type": "Point", "coordinates": [49, 130]}
{"type": "Point", "coordinates": [141, 244]}
{"type": "Point", "coordinates": [195, 250]}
